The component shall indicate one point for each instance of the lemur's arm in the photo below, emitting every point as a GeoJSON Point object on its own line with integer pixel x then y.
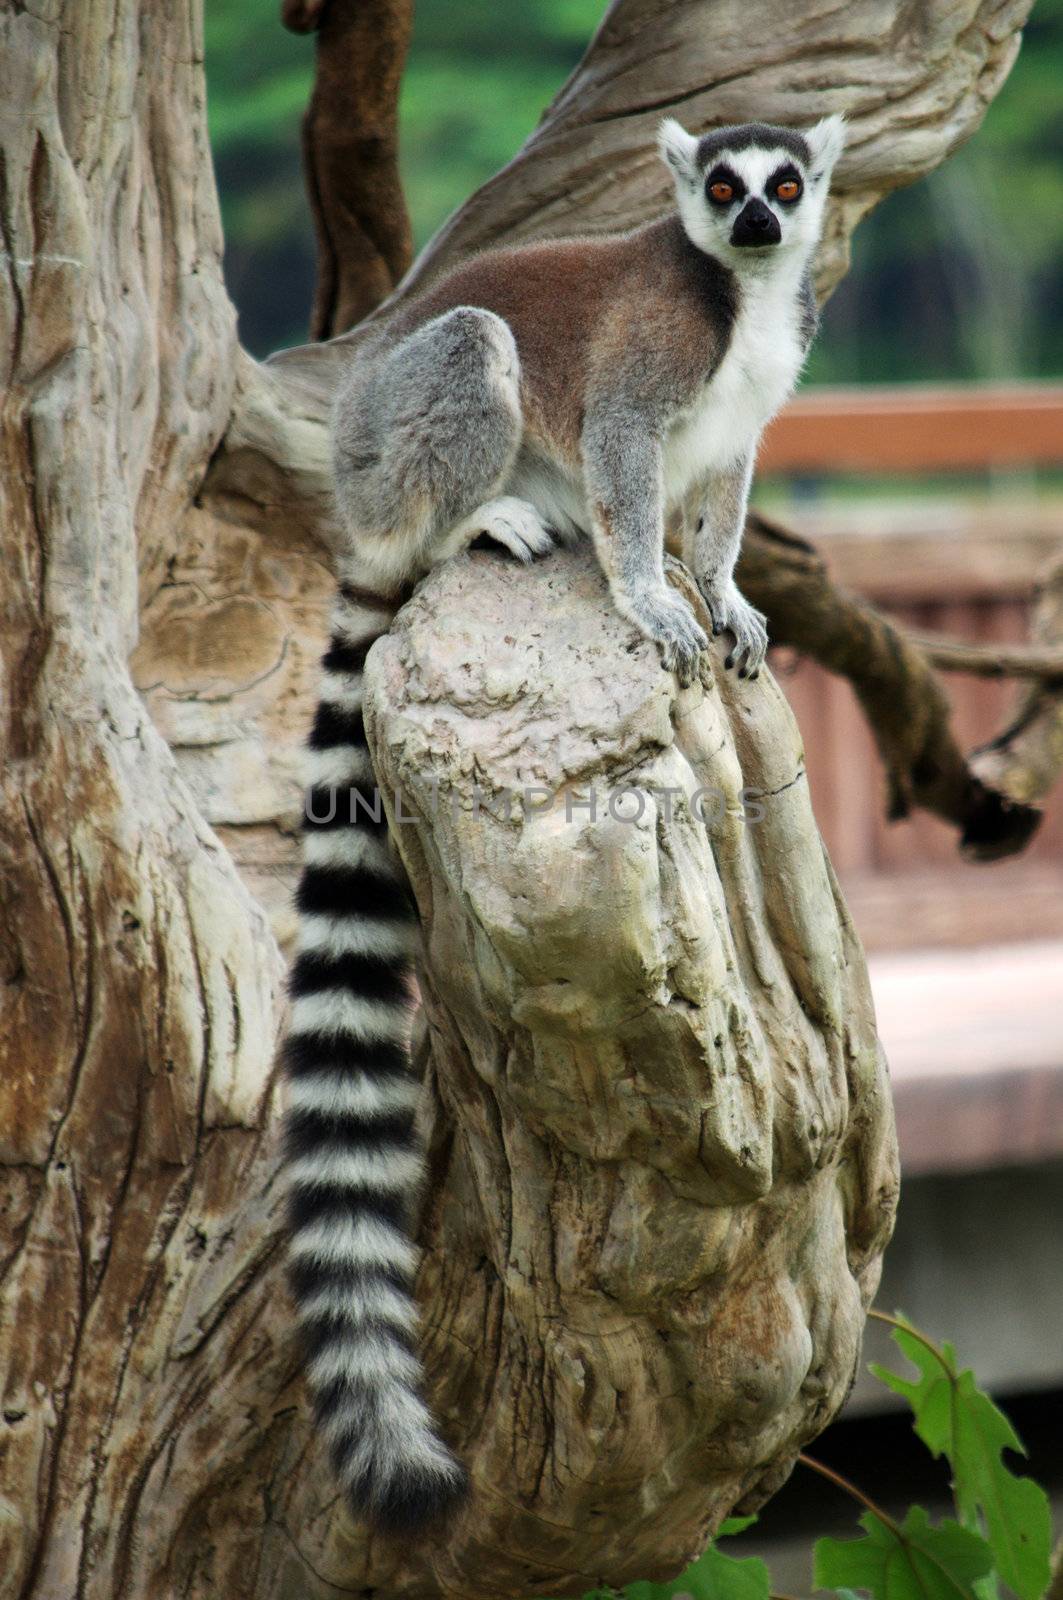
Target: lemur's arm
{"type": "Point", "coordinates": [712, 552]}
{"type": "Point", "coordinates": [713, 544]}
{"type": "Point", "coordinates": [622, 465]}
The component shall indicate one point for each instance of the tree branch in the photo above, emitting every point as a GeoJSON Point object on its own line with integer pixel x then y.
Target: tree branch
{"type": "Point", "coordinates": [906, 707]}
{"type": "Point", "coordinates": [591, 164]}
{"type": "Point", "coordinates": [351, 154]}
{"type": "Point", "coordinates": [1043, 664]}
{"type": "Point", "coordinates": [1027, 758]}
{"type": "Point", "coordinates": [151, 1354]}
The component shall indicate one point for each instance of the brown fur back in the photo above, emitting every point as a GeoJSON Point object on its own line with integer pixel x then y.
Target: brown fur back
{"type": "Point", "coordinates": [647, 298]}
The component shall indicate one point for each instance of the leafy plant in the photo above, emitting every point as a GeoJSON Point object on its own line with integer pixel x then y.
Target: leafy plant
{"type": "Point", "coordinates": [912, 1560]}
{"type": "Point", "coordinates": [954, 1418]}
{"type": "Point", "coordinates": [715, 1574]}
{"type": "Point", "coordinates": [1001, 1534]}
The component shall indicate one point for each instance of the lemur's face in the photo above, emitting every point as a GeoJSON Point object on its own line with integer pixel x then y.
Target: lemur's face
{"type": "Point", "coordinates": [751, 192]}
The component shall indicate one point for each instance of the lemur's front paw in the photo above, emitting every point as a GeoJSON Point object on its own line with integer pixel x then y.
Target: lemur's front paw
{"type": "Point", "coordinates": [729, 610]}
{"type": "Point", "coordinates": [668, 619]}
{"type": "Point", "coordinates": [516, 525]}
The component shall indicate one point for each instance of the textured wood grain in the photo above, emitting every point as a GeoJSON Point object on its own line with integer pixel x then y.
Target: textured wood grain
{"type": "Point", "coordinates": [140, 976]}
{"type": "Point", "coordinates": [665, 1165]}
{"type": "Point", "coordinates": [906, 706]}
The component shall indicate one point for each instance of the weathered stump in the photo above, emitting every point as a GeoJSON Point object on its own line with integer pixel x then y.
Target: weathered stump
{"type": "Point", "coordinates": [663, 1165]}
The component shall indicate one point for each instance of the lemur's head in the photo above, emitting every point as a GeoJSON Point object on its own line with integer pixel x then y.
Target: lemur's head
{"type": "Point", "coordinates": [750, 192]}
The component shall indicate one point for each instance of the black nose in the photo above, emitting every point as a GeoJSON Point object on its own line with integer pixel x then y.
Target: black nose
{"type": "Point", "coordinates": [756, 224]}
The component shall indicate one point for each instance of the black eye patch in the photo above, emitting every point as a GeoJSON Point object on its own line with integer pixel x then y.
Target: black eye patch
{"type": "Point", "coordinates": [785, 185]}
{"type": "Point", "coordinates": [723, 186]}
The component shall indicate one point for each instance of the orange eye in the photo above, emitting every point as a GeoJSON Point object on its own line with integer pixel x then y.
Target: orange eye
{"type": "Point", "coordinates": [721, 193]}
{"type": "Point", "coordinates": [789, 189]}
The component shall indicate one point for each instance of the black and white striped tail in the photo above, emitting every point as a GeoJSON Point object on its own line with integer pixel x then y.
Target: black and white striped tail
{"type": "Point", "coordinates": [354, 1165]}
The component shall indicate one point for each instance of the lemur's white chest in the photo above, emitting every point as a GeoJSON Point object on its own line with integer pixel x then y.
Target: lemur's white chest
{"type": "Point", "coordinates": [755, 377]}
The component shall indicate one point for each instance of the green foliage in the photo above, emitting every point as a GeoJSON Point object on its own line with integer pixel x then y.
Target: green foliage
{"type": "Point", "coordinates": [474, 89]}
{"type": "Point", "coordinates": [478, 78]}
{"type": "Point", "coordinates": [714, 1576]}
{"type": "Point", "coordinates": [258, 78]}
{"type": "Point", "coordinates": [911, 1560]}
{"type": "Point", "coordinates": [1003, 1534]}
{"type": "Point", "coordinates": [461, 121]}
{"type": "Point", "coordinates": [954, 1418]}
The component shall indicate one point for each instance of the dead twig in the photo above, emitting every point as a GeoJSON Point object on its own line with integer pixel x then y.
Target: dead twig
{"type": "Point", "coordinates": [1026, 759]}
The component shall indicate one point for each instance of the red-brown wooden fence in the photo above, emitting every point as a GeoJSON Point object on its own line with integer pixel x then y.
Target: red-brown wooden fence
{"type": "Point", "coordinates": [965, 568]}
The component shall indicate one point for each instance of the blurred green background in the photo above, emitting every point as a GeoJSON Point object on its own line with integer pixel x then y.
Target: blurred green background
{"type": "Point", "coordinates": [958, 277]}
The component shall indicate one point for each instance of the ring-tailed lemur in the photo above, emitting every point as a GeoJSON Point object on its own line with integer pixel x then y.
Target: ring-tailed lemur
{"type": "Point", "coordinates": [551, 389]}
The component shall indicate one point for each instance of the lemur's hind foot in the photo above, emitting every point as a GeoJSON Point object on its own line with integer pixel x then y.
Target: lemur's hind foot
{"type": "Point", "coordinates": [426, 432]}
{"type": "Point", "coordinates": [512, 523]}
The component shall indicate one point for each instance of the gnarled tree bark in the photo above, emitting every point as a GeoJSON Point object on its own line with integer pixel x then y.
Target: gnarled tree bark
{"type": "Point", "coordinates": [664, 1167]}
{"type": "Point", "coordinates": [166, 528]}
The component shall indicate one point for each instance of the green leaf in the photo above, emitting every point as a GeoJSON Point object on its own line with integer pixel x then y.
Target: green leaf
{"type": "Point", "coordinates": [720, 1577]}
{"type": "Point", "coordinates": [910, 1561]}
{"type": "Point", "coordinates": [714, 1576]}
{"type": "Point", "coordinates": [955, 1418]}
{"type": "Point", "coordinates": [733, 1525]}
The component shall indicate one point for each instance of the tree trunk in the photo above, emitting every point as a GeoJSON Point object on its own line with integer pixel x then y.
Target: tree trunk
{"type": "Point", "coordinates": [166, 575]}
{"type": "Point", "coordinates": [351, 154]}
{"type": "Point", "coordinates": [664, 1167]}
{"type": "Point", "coordinates": [143, 1346]}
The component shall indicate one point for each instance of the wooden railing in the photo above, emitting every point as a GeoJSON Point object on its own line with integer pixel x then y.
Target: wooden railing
{"type": "Point", "coordinates": [965, 568]}
{"type": "Point", "coordinates": [917, 429]}
{"type": "Point", "coordinates": [973, 1034]}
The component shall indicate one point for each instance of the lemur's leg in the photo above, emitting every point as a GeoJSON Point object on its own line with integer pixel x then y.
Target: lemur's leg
{"type": "Point", "coordinates": [426, 434]}
{"type": "Point", "coordinates": [509, 521]}
{"type": "Point", "coordinates": [715, 544]}
{"type": "Point", "coordinates": [623, 470]}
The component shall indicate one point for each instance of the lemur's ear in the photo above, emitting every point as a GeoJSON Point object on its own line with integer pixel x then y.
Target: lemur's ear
{"type": "Point", "coordinates": [826, 141]}
{"type": "Point", "coordinates": [678, 149]}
